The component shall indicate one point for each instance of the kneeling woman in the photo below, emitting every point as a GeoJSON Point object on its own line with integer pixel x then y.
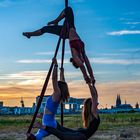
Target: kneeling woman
{"type": "Point", "coordinates": [90, 117]}
{"type": "Point", "coordinates": [60, 93]}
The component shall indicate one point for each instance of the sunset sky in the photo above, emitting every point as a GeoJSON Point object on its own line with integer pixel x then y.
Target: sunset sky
{"type": "Point", "coordinates": [110, 30]}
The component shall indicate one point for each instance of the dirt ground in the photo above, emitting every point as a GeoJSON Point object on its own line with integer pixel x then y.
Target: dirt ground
{"type": "Point", "coordinates": [132, 133]}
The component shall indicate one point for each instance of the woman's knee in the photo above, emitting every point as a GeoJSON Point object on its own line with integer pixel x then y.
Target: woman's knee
{"type": "Point", "coordinates": [68, 11]}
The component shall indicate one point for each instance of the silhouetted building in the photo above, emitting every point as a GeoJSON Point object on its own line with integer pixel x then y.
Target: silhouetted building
{"type": "Point", "coordinates": [74, 105]}
{"type": "Point", "coordinates": [119, 105]}
{"type": "Point", "coordinates": [137, 105]}
{"type": "Point", "coordinates": [1, 104]}
{"type": "Point", "coordinates": [118, 100]}
{"type": "Point", "coordinates": [22, 102]}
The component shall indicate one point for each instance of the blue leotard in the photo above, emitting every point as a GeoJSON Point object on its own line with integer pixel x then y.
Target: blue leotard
{"type": "Point", "coordinates": [48, 119]}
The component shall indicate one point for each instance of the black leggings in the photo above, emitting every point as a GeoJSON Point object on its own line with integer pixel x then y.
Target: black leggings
{"type": "Point", "coordinates": [56, 29]}
{"type": "Point", "coordinates": [63, 134]}
{"type": "Point", "coordinates": [69, 17]}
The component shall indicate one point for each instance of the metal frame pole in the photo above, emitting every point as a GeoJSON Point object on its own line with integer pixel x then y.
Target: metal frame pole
{"type": "Point", "coordinates": [62, 62]}
{"type": "Point", "coordinates": [47, 80]}
{"type": "Point", "coordinates": [43, 89]}
{"type": "Point", "coordinates": [66, 3]}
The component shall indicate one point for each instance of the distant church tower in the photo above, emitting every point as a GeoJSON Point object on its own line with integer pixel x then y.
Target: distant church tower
{"type": "Point", "coordinates": [22, 102]}
{"type": "Point", "coordinates": [118, 100]}
{"type": "Point", "coordinates": [125, 102]}
{"type": "Point", "coordinates": [137, 105]}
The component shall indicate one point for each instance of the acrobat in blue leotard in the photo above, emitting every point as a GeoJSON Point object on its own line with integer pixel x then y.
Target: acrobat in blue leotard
{"type": "Point", "coordinates": [48, 119]}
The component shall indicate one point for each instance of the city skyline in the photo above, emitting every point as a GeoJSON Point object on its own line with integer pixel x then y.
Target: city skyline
{"type": "Point", "coordinates": [110, 30]}
{"type": "Point", "coordinates": [118, 102]}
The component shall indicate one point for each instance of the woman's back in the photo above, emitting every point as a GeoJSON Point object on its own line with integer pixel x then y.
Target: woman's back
{"type": "Point", "coordinates": [91, 129]}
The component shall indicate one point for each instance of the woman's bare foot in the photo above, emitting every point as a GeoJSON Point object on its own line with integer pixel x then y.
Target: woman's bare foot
{"type": "Point", "coordinates": [37, 125]}
{"type": "Point", "coordinates": [26, 34]}
{"type": "Point", "coordinates": [30, 136]}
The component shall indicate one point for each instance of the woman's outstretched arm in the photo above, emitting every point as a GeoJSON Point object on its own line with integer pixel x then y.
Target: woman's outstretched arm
{"type": "Point", "coordinates": [62, 76]}
{"type": "Point", "coordinates": [94, 98]}
{"type": "Point", "coordinates": [56, 93]}
{"type": "Point", "coordinates": [89, 68]}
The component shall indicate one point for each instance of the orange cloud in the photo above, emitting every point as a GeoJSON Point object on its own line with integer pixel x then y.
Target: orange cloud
{"type": "Point", "coordinates": [129, 91]}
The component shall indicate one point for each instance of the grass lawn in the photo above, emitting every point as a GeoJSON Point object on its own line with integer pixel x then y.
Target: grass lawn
{"type": "Point", "coordinates": [108, 121]}
{"type": "Point", "coordinates": [113, 126]}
